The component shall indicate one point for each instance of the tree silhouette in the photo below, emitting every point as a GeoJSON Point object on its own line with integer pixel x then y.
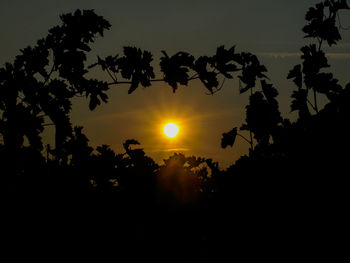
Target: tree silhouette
{"type": "Point", "coordinates": [293, 167]}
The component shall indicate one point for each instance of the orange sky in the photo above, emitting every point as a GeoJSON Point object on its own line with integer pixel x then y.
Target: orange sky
{"type": "Point", "coordinates": [271, 29]}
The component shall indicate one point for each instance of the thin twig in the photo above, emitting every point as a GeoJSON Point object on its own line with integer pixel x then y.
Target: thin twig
{"type": "Point", "coordinates": [51, 71]}
{"type": "Point", "coordinates": [195, 76]}
{"type": "Point", "coordinates": [218, 89]}
{"type": "Point", "coordinates": [109, 73]}
{"type": "Point", "coordinates": [130, 82]}
{"type": "Point", "coordinates": [314, 90]}
{"type": "Point", "coordinates": [312, 106]}
{"type": "Point", "coordinates": [151, 80]}
{"type": "Point", "coordinates": [244, 138]}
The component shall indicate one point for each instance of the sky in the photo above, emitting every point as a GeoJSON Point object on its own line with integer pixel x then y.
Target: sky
{"type": "Point", "coordinates": [271, 29]}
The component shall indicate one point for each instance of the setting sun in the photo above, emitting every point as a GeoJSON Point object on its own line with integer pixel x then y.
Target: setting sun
{"type": "Point", "coordinates": [171, 130]}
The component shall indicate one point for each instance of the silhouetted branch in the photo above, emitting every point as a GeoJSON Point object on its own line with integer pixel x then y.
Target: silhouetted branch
{"type": "Point", "coordinates": [244, 138]}
{"type": "Point", "coordinates": [50, 73]}
{"type": "Point", "coordinates": [251, 140]}
{"type": "Point", "coordinates": [195, 76]}
{"type": "Point", "coordinates": [218, 89]}
{"type": "Point", "coordinates": [110, 75]}
{"type": "Point", "coordinates": [312, 106]}
{"type": "Point", "coordinates": [151, 80]}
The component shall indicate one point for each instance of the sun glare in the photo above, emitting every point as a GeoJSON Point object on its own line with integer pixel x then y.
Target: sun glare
{"type": "Point", "coordinates": [171, 130]}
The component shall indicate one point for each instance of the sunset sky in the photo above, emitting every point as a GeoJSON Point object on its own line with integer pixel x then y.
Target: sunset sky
{"type": "Point", "coordinates": [271, 29]}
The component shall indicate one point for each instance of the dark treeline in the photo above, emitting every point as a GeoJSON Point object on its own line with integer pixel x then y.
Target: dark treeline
{"type": "Point", "coordinates": [288, 195]}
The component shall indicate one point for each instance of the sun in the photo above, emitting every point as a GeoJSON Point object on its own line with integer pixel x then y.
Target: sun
{"type": "Point", "coordinates": [171, 130]}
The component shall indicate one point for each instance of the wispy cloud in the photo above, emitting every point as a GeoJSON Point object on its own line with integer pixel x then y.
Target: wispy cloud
{"type": "Point", "coordinates": [279, 54]}
{"type": "Point", "coordinates": [339, 55]}
{"type": "Point", "coordinates": [166, 150]}
{"type": "Point", "coordinates": [177, 150]}
{"type": "Point", "coordinates": [131, 114]}
{"type": "Point", "coordinates": [152, 113]}
{"type": "Point", "coordinates": [343, 55]}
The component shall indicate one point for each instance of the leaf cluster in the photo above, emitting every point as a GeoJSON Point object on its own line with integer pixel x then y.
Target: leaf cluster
{"type": "Point", "coordinates": [322, 21]}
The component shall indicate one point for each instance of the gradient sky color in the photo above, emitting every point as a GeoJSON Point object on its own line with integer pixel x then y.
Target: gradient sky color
{"type": "Point", "coordinates": [270, 29]}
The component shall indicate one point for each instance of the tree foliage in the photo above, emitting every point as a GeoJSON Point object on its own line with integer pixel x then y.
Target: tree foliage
{"type": "Point", "coordinates": [288, 159]}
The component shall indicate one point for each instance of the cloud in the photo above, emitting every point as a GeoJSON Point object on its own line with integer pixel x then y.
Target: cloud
{"type": "Point", "coordinates": [131, 114]}
{"type": "Point", "coordinates": [333, 55]}
{"type": "Point", "coordinates": [155, 113]}
{"type": "Point", "coordinates": [177, 150]}
{"type": "Point", "coordinates": [279, 54]}
{"type": "Point", "coordinates": [338, 55]}
{"type": "Point", "coordinates": [166, 150]}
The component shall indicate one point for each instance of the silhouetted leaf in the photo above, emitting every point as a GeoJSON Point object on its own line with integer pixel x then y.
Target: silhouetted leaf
{"type": "Point", "coordinates": [228, 139]}
{"type": "Point", "coordinates": [129, 142]}
{"type": "Point", "coordinates": [209, 79]}
{"type": "Point", "coordinates": [134, 85]}
{"type": "Point", "coordinates": [84, 25]}
{"type": "Point", "coordinates": [300, 100]}
{"type": "Point", "coordinates": [296, 75]}
{"type": "Point", "coordinates": [135, 65]}
{"type": "Point", "coordinates": [341, 4]}
{"type": "Point", "coordinates": [326, 84]}
{"type": "Point", "coordinates": [109, 63]}
{"type": "Point", "coordinates": [251, 70]}
{"type": "Point", "coordinates": [33, 60]}
{"type": "Point", "coordinates": [244, 127]}
{"type": "Point", "coordinates": [95, 89]}
{"type": "Point", "coordinates": [322, 24]}
{"type": "Point", "coordinates": [262, 116]}
{"type": "Point", "coordinates": [315, 13]}
{"type": "Point", "coordinates": [176, 68]}
{"type": "Point", "coordinates": [269, 91]}
{"type": "Point", "coordinates": [314, 61]}
{"type": "Point", "coordinates": [223, 59]}
{"type": "Point", "coordinates": [59, 89]}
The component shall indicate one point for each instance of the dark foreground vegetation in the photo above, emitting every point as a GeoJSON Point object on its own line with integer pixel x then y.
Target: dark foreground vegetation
{"type": "Point", "coordinates": [287, 198]}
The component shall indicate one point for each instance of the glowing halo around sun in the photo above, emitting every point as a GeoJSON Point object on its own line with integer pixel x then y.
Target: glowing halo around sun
{"type": "Point", "coordinates": [171, 130]}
